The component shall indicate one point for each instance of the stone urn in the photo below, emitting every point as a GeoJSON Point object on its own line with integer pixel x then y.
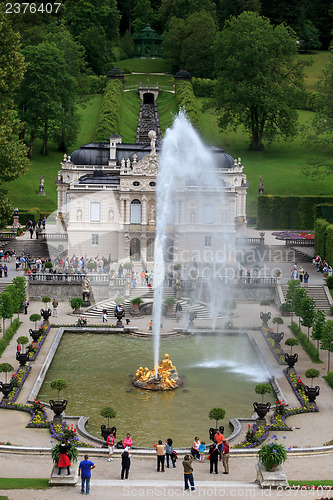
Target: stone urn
{"type": "Point", "coordinates": [22, 358]}
{"type": "Point", "coordinates": [58, 406]}
{"type": "Point", "coordinates": [311, 392]}
{"type": "Point", "coordinates": [277, 337]}
{"type": "Point", "coordinates": [45, 313]}
{"type": "Point", "coordinates": [265, 317]}
{"type": "Point", "coordinates": [213, 431]}
{"type": "Point", "coordinates": [291, 359]}
{"type": "Point", "coordinates": [5, 389]}
{"type": "Point", "coordinates": [261, 409]}
{"type": "Point", "coordinates": [119, 314]}
{"type": "Point", "coordinates": [106, 431]}
{"type": "Point", "coordinates": [35, 334]}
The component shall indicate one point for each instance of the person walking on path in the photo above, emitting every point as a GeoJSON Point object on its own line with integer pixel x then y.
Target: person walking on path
{"type": "Point", "coordinates": [25, 305]}
{"type": "Point", "coordinates": [213, 458]}
{"type": "Point", "coordinates": [104, 316]}
{"type": "Point", "coordinates": [169, 453]}
{"type": "Point", "coordinates": [125, 463]}
{"type": "Point", "coordinates": [55, 308]}
{"type": "Point", "coordinates": [225, 456]}
{"type": "Point", "coordinates": [85, 469]}
{"type": "Point", "coordinates": [160, 452]}
{"type": "Point", "coordinates": [188, 472]}
{"type": "Point", "coordinates": [110, 441]}
{"type": "Point", "coordinates": [306, 278]}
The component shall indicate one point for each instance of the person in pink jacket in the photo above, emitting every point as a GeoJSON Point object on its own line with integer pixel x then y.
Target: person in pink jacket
{"type": "Point", "coordinates": [128, 440]}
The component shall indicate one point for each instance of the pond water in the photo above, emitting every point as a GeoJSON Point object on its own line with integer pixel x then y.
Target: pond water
{"type": "Point", "coordinates": [218, 370]}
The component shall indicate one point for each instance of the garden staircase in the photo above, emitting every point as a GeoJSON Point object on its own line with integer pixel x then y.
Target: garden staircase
{"type": "Point", "coordinates": [319, 293]}
{"type": "Point", "coordinates": [280, 253]}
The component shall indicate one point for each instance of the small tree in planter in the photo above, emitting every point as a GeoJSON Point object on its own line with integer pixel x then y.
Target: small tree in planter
{"type": "Point", "coordinates": [48, 265]}
{"type": "Point", "coordinates": [5, 387]}
{"type": "Point", "coordinates": [312, 373]}
{"type": "Point", "coordinates": [291, 343]}
{"type": "Point", "coordinates": [34, 318]}
{"type": "Point", "coordinates": [278, 321]}
{"type": "Point", "coordinates": [128, 266]}
{"type": "Point", "coordinates": [91, 266]}
{"type": "Point", "coordinates": [265, 303]}
{"type": "Point", "coordinates": [59, 385]}
{"type": "Point", "coordinates": [46, 300]}
{"type": "Point", "coordinates": [76, 303]}
{"type": "Point", "coordinates": [177, 267]}
{"type": "Point", "coordinates": [22, 341]}
{"type": "Point", "coordinates": [263, 388]}
{"type": "Point", "coordinates": [136, 302]}
{"type": "Point", "coordinates": [170, 302]}
{"type": "Point", "coordinates": [109, 413]}
{"type": "Point", "coordinates": [216, 414]}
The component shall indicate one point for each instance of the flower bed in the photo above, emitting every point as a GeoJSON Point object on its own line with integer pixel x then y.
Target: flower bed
{"type": "Point", "coordinates": [58, 431]}
{"type": "Point", "coordinates": [293, 235]}
{"type": "Point", "coordinates": [276, 350]}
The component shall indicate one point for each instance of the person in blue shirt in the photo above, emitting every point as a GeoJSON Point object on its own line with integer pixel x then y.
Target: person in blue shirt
{"type": "Point", "coordinates": [85, 469]}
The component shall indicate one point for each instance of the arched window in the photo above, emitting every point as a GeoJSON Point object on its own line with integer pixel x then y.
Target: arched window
{"type": "Point", "coordinates": [136, 212]}
{"type": "Point", "coordinates": [135, 249]}
{"type": "Point", "coordinates": [150, 249]}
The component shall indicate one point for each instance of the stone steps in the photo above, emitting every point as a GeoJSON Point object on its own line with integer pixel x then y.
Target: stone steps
{"type": "Point", "coordinates": [279, 253]}
{"type": "Point", "coordinates": [316, 292]}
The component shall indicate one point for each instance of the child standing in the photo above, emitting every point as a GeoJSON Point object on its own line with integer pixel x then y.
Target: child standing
{"type": "Point", "coordinates": [202, 449]}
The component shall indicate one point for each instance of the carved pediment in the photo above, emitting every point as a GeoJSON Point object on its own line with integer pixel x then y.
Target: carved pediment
{"type": "Point", "coordinates": [147, 166]}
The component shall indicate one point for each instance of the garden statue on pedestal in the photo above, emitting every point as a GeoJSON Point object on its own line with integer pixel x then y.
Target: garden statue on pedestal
{"type": "Point", "coordinates": [119, 314]}
{"type": "Point", "coordinates": [5, 388]}
{"type": "Point", "coordinates": [86, 292]}
{"type": "Point", "coordinates": [167, 377]}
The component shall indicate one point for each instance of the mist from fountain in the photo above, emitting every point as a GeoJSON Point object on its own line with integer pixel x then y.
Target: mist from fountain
{"type": "Point", "coordinates": [186, 164]}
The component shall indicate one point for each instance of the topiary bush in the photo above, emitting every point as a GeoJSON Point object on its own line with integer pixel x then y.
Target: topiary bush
{"type": "Point", "coordinates": [263, 388]}
{"type": "Point", "coordinates": [216, 414]}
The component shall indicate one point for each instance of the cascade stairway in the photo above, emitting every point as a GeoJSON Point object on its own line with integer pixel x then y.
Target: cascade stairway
{"type": "Point", "coordinates": [317, 293]}
{"type": "Point", "coordinates": [34, 247]}
{"type": "Point", "coordinates": [280, 253]}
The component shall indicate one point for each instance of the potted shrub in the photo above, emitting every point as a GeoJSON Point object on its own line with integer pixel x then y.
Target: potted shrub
{"type": "Point", "coordinates": [272, 455]}
{"type": "Point", "coordinates": [91, 266]}
{"type": "Point", "coordinates": [5, 388]}
{"type": "Point", "coordinates": [277, 337]}
{"type": "Point", "coordinates": [35, 334]}
{"type": "Point", "coordinates": [170, 302]}
{"type": "Point", "coordinates": [128, 267]}
{"type": "Point", "coordinates": [136, 303]}
{"type": "Point", "coordinates": [216, 414]}
{"type": "Point", "coordinates": [108, 412]}
{"type": "Point", "coordinates": [76, 303]}
{"type": "Point", "coordinates": [291, 359]}
{"type": "Point", "coordinates": [48, 265]}
{"type": "Point", "coordinates": [312, 392]}
{"type": "Point", "coordinates": [265, 316]}
{"type": "Point", "coordinates": [277, 321]}
{"type": "Point", "coordinates": [58, 406]}
{"type": "Point", "coordinates": [262, 408]}
{"type": "Point", "coordinates": [21, 355]}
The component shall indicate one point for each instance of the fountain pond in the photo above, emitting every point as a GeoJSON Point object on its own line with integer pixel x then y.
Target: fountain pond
{"type": "Point", "coordinates": [218, 369]}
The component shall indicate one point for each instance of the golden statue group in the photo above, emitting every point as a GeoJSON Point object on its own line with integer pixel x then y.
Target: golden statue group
{"type": "Point", "coordinates": [167, 376]}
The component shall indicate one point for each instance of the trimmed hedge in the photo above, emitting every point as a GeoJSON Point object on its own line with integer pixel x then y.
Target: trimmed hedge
{"type": "Point", "coordinates": [203, 87]}
{"type": "Point", "coordinates": [96, 84]}
{"type": "Point", "coordinates": [186, 99]}
{"type": "Point", "coordinates": [324, 240]}
{"type": "Point", "coordinates": [288, 212]}
{"type": "Point", "coordinates": [9, 334]}
{"type": "Point", "coordinates": [109, 118]}
{"type": "Point", "coordinates": [308, 346]}
{"type": "Point", "coordinates": [329, 379]}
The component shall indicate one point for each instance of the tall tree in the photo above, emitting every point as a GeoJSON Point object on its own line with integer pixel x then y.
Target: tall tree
{"type": "Point", "coordinates": [308, 312]}
{"type": "Point", "coordinates": [13, 153]}
{"type": "Point", "coordinates": [172, 43]}
{"type": "Point", "coordinates": [259, 78]}
{"type": "Point", "coordinates": [45, 92]}
{"type": "Point", "coordinates": [298, 295]}
{"type": "Point", "coordinates": [143, 14]}
{"type": "Point", "coordinates": [327, 340]}
{"type": "Point", "coordinates": [318, 328]}
{"type": "Point", "coordinates": [6, 308]}
{"type": "Point", "coordinates": [197, 53]}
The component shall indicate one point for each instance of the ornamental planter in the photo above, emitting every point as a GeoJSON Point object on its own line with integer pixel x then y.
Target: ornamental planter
{"type": "Point", "coordinates": [5, 389]}
{"type": "Point", "coordinates": [311, 392]}
{"type": "Point", "coordinates": [213, 431]}
{"type": "Point", "coordinates": [35, 334]}
{"type": "Point", "coordinates": [58, 406]}
{"type": "Point", "coordinates": [265, 317]}
{"type": "Point", "coordinates": [261, 409]}
{"type": "Point", "coordinates": [106, 431]}
{"type": "Point", "coordinates": [22, 358]}
{"type": "Point", "coordinates": [291, 359]}
{"type": "Point", "coordinates": [277, 337]}
{"type": "Point", "coordinates": [45, 313]}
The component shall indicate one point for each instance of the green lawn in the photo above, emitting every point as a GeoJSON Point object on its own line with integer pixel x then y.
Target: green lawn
{"type": "Point", "coordinates": [144, 65]}
{"type": "Point", "coordinates": [163, 81]}
{"type": "Point", "coordinates": [130, 107]}
{"type": "Point", "coordinates": [167, 109]}
{"type": "Point", "coordinates": [318, 60]}
{"type": "Point", "coordinates": [23, 192]}
{"type": "Point", "coordinates": [23, 484]}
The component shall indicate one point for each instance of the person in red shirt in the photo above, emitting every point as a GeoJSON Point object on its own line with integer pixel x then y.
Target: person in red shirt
{"type": "Point", "coordinates": [219, 441]}
{"type": "Point", "coordinates": [225, 456]}
{"type": "Point", "coordinates": [110, 441]}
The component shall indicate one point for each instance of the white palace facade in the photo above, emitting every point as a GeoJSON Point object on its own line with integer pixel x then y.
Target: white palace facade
{"type": "Point", "coordinates": [107, 205]}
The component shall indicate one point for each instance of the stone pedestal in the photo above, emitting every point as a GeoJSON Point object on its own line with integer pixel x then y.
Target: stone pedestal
{"type": "Point", "coordinates": [41, 191]}
{"type": "Point", "coordinates": [64, 479]}
{"type": "Point", "coordinates": [86, 299]}
{"type": "Point", "coordinates": [269, 479]}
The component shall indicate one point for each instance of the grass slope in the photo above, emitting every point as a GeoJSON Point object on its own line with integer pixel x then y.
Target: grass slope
{"type": "Point", "coordinates": [130, 107]}
{"type": "Point", "coordinates": [23, 192]}
{"type": "Point", "coordinates": [316, 61]}
{"type": "Point", "coordinates": [144, 65]}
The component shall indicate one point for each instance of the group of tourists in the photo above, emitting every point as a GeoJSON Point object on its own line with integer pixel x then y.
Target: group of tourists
{"type": "Point", "coordinates": [218, 451]}
{"type": "Point", "coordinates": [299, 274]}
{"type": "Point", "coordinates": [36, 227]}
{"type": "Point", "coordinates": [322, 266]}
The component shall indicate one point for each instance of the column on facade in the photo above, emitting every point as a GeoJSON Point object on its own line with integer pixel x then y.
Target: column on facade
{"type": "Point", "coordinates": [122, 210]}
{"type": "Point", "coordinates": [144, 210]}
{"type": "Point", "coordinates": [128, 210]}
{"type": "Point", "coordinates": [143, 248]}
